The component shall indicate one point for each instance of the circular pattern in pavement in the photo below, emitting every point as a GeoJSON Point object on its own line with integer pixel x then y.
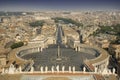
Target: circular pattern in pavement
{"type": "Point", "coordinates": [69, 57]}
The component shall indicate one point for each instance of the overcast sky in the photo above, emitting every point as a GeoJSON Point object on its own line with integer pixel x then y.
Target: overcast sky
{"type": "Point", "coordinates": [37, 5]}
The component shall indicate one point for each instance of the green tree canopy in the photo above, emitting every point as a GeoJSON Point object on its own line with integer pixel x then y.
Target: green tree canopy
{"type": "Point", "coordinates": [16, 45]}
{"type": "Point", "coordinates": [112, 30]}
{"type": "Point", "coordinates": [67, 21]}
{"type": "Point", "coordinates": [36, 23]}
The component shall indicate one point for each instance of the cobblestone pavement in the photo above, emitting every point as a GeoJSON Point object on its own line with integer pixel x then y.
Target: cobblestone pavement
{"type": "Point", "coordinates": [69, 57]}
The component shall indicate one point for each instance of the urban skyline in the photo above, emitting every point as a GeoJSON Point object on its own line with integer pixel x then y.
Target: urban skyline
{"type": "Point", "coordinates": [37, 43]}
{"type": "Point", "coordinates": [37, 5]}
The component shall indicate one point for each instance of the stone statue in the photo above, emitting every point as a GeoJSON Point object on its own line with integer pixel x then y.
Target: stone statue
{"type": "Point", "coordinates": [20, 69]}
{"type": "Point", "coordinates": [57, 67]}
{"type": "Point", "coordinates": [63, 69]}
{"type": "Point", "coordinates": [109, 71]}
{"type": "Point", "coordinates": [41, 49]}
{"type": "Point", "coordinates": [105, 71]}
{"type": "Point", "coordinates": [17, 70]}
{"type": "Point", "coordinates": [11, 69]}
{"type": "Point", "coordinates": [73, 69]}
{"type": "Point", "coordinates": [84, 69]}
{"type": "Point", "coordinates": [69, 69]}
{"type": "Point", "coordinates": [38, 49]}
{"type": "Point", "coordinates": [41, 68]}
{"type": "Point", "coordinates": [6, 70]}
{"type": "Point", "coordinates": [52, 69]}
{"type": "Point", "coordinates": [113, 71]}
{"type": "Point", "coordinates": [3, 70]}
{"type": "Point", "coordinates": [100, 71]}
{"type": "Point", "coordinates": [96, 69]}
{"type": "Point", "coordinates": [32, 69]}
{"type": "Point", "coordinates": [78, 48]}
{"type": "Point", "coordinates": [46, 69]}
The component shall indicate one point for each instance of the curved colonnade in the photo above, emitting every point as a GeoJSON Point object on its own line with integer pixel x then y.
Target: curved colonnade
{"type": "Point", "coordinates": [99, 62]}
{"type": "Point", "coordinates": [15, 53]}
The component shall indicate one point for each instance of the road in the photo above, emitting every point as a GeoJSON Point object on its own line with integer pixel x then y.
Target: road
{"type": "Point", "coordinates": [59, 35]}
{"type": "Point", "coordinates": [69, 56]}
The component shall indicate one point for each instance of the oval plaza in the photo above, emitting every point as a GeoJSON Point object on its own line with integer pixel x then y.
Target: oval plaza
{"type": "Point", "coordinates": [58, 51]}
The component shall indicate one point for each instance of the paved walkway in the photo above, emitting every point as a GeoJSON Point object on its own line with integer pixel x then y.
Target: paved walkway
{"type": "Point", "coordinates": [48, 58]}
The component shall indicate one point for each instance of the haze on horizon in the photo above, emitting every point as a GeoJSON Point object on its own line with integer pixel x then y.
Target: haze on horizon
{"type": "Point", "coordinates": [37, 5]}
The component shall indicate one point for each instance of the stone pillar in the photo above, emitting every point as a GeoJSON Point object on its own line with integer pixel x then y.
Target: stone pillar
{"type": "Point", "coordinates": [63, 69]}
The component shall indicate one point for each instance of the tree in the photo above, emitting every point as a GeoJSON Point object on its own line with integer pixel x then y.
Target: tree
{"type": "Point", "coordinates": [36, 23]}
{"type": "Point", "coordinates": [67, 21]}
{"type": "Point", "coordinates": [16, 45]}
